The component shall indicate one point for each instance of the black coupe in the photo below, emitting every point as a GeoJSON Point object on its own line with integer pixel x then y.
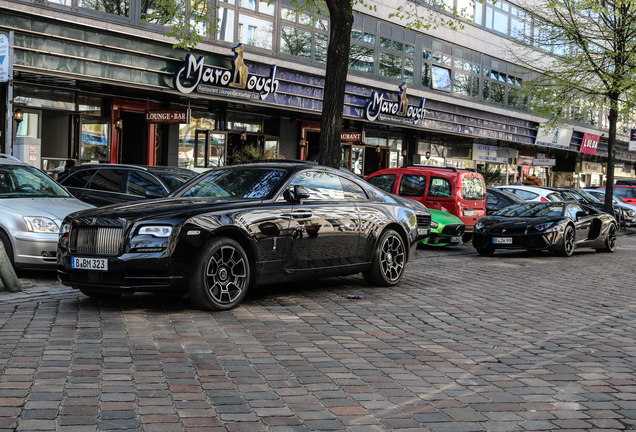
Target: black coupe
{"type": "Point", "coordinates": [242, 225]}
{"type": "Point", "coordinates": [553, 226]}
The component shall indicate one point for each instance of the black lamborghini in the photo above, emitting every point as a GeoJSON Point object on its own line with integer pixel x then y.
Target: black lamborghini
{"type": "Point", "coordinates": [237, 226]}
{"type": "Point", "coordinates": [552, 226]}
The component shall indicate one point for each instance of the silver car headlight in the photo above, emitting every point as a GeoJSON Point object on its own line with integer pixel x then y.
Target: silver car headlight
{"type": "Point", "coordinates": [434, 224]}
{"type": "Point", "coordinates": [41, 225]}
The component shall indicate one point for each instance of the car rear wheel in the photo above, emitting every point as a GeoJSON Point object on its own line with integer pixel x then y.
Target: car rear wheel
{"type": "Point", "coordinates": [221, 275]}
{"type": "Point", "coordinates": [566, 248]}
{"type": "Point", "coordinates": [389, 259]}
{"type": "Point", "coordinates": [485, 251]}
{"type": "Point", "coordinates": [610, 240]}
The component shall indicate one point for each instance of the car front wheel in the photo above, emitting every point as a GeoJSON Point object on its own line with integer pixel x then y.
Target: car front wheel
{"type": "Point", "coordinates": [221, 275]}
{"type": "Point", "coordinates": [566, 248]}
{"type": "Point", "coordinates": [389, 259]}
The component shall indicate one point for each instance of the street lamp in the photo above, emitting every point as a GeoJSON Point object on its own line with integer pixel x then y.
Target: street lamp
{"type": "Point", "coordinates": [18, 116]}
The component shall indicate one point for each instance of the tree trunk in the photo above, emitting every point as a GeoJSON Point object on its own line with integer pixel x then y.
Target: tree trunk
{"type": "Point", "coordinates": [341, 21]}
{"type": "Point", "coordinates": [611, 153]}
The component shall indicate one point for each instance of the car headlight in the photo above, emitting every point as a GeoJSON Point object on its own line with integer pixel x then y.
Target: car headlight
{"type": "Point", "coordinates": [479, 225]}
{"type": "Point", "coordinates": [156, 230]}
{"type": "Point", "coordinates": [41, 225]}
{"type": "Point", "coordinates": [434, 224]}
{"type": "Point", "coordinates": [543, 226]}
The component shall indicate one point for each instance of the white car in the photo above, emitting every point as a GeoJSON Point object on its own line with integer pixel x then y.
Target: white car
{"type": "Point", "coordinates": [532, 193]}
{"type": "Point", "coordinates": [32, 206]}
{"type": "Point", "coordinates": [629, 209]}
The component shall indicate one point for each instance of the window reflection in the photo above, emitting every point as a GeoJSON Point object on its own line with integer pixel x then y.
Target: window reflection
{"type": "Point", "coordinates": [361, 58]}
{"type": "Point", "coordinates": [115, 7]}
{"type": "Point", "coordinates": [225, 25]}
{"type": "Point", "coordinates": [295, 42]}
{"type": "Point", "coordinates": [441, 78]}
{"type": "Point", "coordinates": [255, 31]}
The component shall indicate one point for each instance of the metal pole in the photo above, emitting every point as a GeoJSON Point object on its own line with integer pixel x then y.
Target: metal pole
{"type": "Point", "coordinates": [8, 148]}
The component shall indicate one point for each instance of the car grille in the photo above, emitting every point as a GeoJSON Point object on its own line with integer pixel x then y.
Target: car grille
{"type": "Point", "coordinates": [453, 230]}
{"type": "Point", "coordinates": [96, 240]}
{"type": "Point", "coordinates": [423, 220]}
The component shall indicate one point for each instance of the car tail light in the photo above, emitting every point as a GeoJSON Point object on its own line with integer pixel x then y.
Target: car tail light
{"type": "Point", "coordinates": [543, 199]}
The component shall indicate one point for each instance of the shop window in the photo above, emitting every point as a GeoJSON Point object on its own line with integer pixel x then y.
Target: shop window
{"type": "Point", "coordinates": [412, 185]}
{"type": "Point", "coordinates": [361, 58]}
{"type": "Point", "coordinates": [94, 139]}
{"type": "Point", "coordinates": [29, 127]}
{"type": "Point", "coordinates": [91, 105]}
{"type": "Point", "coordinates": [39, 97]}
{"type": "Point", "coordinates": [439, 188]}
{"type": "Point", "coordinates": [115, 7]}
{"type": "Point", "coordinates": [295, 41]}
{"type": "Point", "coordinates": [243, 122]}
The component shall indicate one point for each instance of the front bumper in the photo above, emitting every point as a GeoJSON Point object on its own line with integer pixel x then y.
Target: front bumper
{"type": "Point", "coordinates": [544, 241]}
{"type": "Point", "coordinates": [34, 250]}
{"type": "Point", "coordinates": [130, 273]}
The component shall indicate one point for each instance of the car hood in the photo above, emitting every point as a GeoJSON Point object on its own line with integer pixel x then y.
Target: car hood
{"type": "Point", "coordinates": [54, 208]}
{"type": "Point", "coordinates": [496, 224]}
{"type": "Point", "coordinates": [444, 218]}
{"type": "Point", "coordinates": [167, 207]}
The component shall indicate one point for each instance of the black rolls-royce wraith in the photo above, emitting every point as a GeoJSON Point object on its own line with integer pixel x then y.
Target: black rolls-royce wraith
{"type": "Point", "coordinates": [241, 225]}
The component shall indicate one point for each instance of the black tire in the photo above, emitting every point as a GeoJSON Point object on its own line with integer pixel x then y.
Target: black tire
{"type": "Point", "coordinates": [485, 251]}
{"type": "Point", "coordinates": [388, 261]}
{"type": "Point", "coordinates": [7, 247]}
{"type": "Point", "coordinates": [99, 295]}
{"type": "Point", "coordinates": [610, 240]}
{"type": "Point", "coordinates": [221, 275]}
{"type": "Point", "coordinates": [566, 248]}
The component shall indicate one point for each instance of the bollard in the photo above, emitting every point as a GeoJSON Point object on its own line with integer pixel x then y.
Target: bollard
{"type": "Point", "coordinates": [7, 273]}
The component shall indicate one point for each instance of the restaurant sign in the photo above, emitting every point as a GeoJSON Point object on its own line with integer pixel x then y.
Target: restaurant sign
{"type": "Point", "coordinates": [167, 116]}
{"type": "Point", "coordinates": [238, 82]}
{"type": "Point", "coordinates": [383, 109]}
{"type": "Point", "coordinates": [351, 136]}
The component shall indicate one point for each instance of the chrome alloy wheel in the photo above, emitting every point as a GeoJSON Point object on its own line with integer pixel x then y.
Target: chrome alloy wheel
{"type": "Point", "coordinates": [226, 275]}
{"type": "Point", "coordinates": [392, 257]}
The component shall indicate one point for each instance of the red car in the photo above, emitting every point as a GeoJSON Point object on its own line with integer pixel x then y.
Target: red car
{"type": "Point", "coordinates": [624, 192]}
{"type": "Point", "coordinates": [459, 191]}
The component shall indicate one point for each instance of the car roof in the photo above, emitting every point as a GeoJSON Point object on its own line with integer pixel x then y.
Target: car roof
{"type": "Point", "coordinates": [6, 159]}
{"type": "Point", "coordinates": [150, 168]}
{"type": "Point", "coordinates": [505, 193]}
{"type": "Point", "coordinates": [418, 169]}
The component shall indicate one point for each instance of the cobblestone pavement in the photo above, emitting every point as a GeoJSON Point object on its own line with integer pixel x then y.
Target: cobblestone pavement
{"type": "Point", "coordinates": [517, 341]}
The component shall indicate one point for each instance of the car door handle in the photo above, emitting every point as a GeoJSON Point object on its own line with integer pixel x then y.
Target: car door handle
{"type": "Point", "coordinates": [303, 214]}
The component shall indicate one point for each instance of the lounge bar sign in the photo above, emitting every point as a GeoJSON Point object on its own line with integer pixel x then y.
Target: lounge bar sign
{"type": "Point", "coordinates": [383, 109]}
{"type": "Point", "coordinates": [167, 116]}
{"type": "Point", "coordinates": [237, 83]}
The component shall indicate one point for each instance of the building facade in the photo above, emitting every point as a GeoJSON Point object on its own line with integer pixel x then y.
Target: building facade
{"type": "Point", "coordinates": [99, 80]}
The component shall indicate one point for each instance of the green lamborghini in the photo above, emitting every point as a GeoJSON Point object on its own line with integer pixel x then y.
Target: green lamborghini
{"type": "Point", "coordinates": [446, 229]}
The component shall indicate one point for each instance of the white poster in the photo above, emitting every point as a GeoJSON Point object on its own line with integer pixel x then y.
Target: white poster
{"type": "Point", "coordinates": [632, 140]}
{"type": "Point", "coordinates": [557, 138]}
{"type": "Point", "coordinates": [5, 58]}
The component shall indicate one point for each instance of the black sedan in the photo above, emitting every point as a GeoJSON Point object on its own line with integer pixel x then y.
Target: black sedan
{"type": "Point", "coordinates": [239, 226]}
{"type": "Point", "coordinates": [497, 199]}
{"type": "Point", "coordinates": [553, 226]}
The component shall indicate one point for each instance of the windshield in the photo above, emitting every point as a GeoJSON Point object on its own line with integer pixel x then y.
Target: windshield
{"type": "Point", "coordinates": [473, 188]}
{"type": "Point", "coordinates": [175, 180]}
{"type": "Point", "coordinates": [26, 181]}
{"type": "Point", "coordinates": [533, 209]}
{"type": "Point", "coordinates": [589, 197]}
{"type": "Point", "coordinates": [234, 182]}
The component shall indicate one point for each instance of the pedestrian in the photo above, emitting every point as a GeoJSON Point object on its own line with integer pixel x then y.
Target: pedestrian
{"type": "Point", "coordinates": [70, 163]}
{"type": "Point", "coordinates": [518, 183]}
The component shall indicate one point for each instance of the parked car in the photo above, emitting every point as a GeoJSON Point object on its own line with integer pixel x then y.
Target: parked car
{"type": "Point", "coordinates": [626, 182]}
{"type": "Point", "coordinates": [241, 225]}
{"type": "Point", "coordinates": [624, 192]}
{"type": "Point", "coordinates": [460, 192]}
{"type": "Point", "coordinates": [532, 193]}
{"type": "Point", "coordinates": [32, 206]}
{"type": "Point", "coordinates": [446, 229]}
{"type": "Point", "coordinates": [496, 199]}
{"type": "Point", "coordinates": [553, 226]}
{"type": "Point", "coordinates": [629, 210]}
{"type": "Point", "coordinates": [580, 195]}
{"type": "Point", "coordinates": [103, 184]}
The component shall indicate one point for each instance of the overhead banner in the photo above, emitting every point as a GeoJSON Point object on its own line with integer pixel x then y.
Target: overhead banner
{"type": "Point", "coordinates": [486, 153]}
{"type": "Point", "coordinates": [5, 58]}
{"type": "Point", "coordinates": [543, 162]}
{"type": "Point", "coordinates": [559, 138]}
{"type": "Point", "coordinates": [589, 143]}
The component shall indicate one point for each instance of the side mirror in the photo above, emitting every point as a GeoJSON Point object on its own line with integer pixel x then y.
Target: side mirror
{"type": "Point", "coordinates": [301, 192]}
{"type": "Point", "coordinates": [580, 214]}
{"type": "Point", "coordinates": [154, 194]}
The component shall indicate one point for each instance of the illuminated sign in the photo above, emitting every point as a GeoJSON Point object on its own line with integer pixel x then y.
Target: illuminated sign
{"type": "Point", "coordinates": [380, 107]}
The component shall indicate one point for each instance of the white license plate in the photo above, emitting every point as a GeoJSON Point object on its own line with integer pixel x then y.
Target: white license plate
{"type": "Point", "coordinates": [502, 240]}
{"type": "Point", "coordinates": [422, 231]}
{"type": "Point", "coordinates": [456, 239]}
{"type": "Point", "coordinates": [100, 264]}
{"type": "Point", "coordinates": [469, 212]}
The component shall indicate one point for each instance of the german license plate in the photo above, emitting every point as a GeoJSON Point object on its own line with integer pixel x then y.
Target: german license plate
{"type": "Point", "coordinates": [469, 212]}
{"type": "Point", "coordinates": [422, 231]}
{"type": "Point", "coordinates": [99, 264]}
{"type": "Point", "coordinates": [502, 240]}
{"type": "Point", "coordinates": [456, 239]}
